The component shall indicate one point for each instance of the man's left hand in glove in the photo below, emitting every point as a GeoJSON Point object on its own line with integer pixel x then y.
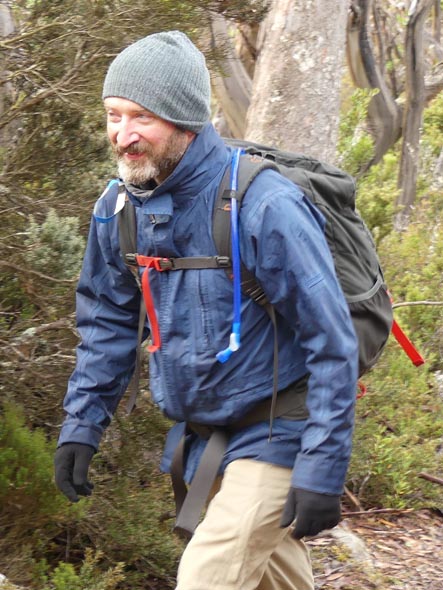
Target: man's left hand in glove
{"type": "Point", "coordinates": [313, 512]}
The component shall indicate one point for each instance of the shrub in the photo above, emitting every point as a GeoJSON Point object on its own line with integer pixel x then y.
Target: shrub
{"type": "Point", "coordinates": [397, 436]}
{"type": "Point", "coordinates": [355, 144]}
{"type": "Point", "coordinates": [89, 577]}
{"type": "Point", "coordinates": [55, 247]}
{"type": "Point", "coordinates": [27, 490]}
{"type": "Point", "coordinates": [32, 509]}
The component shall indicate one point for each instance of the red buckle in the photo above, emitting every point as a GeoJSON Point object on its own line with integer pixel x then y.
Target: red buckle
{"type": "Point", "coordinates": [155, 262]}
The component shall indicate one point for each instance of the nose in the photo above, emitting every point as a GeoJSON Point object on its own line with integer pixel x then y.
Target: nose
{"type": "Point", "coordinates": [126, 133]}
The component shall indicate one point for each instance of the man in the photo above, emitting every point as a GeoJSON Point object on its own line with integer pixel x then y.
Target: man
{"type": "Point", "coordinates": [157, 98]}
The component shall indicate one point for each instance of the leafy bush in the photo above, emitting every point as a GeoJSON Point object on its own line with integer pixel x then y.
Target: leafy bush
{"type": "Point", "coordinates": [397, 436]}
{"type": "Point", "coordinates": [433, 125]}
{"type": "Point", "coordinates": [376, 194]}
{"type": "Point", "coordinates": [398, 432]}
{"type": "Point", "coordinates": [413, 262]}
{"type": "Point", "coordinates": [55, 247]}
{"type": "Point", "coordinates": [27, 491]}
{"type": "Point", "coordinates": [32, 509]}
{"type": "Point", "coordinates": [355, 144]}
{"type": "Point", "coordinates": [89, 576]}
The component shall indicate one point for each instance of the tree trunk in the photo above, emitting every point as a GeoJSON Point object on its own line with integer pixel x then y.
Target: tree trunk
{"type": "Point", "coordinates": [6, 28]}
{"type": "Point", "coordinates": [383, 112]}
{"type": "Point", "coordinates": [296, 88]}
{"type": "Point", "coordinates": [232, 86]}
{"type": "Point", "coordinates": [415, 100]}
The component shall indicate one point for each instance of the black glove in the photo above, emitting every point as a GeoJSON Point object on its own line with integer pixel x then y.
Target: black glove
{"type": "Point", "coordinates": [71, 470]}
{"type": "Point", "coordinates": [315, 512]}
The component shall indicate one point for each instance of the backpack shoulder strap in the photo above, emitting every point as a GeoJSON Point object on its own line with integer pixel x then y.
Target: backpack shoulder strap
{"type": "Point", "coordinates": [249, 167]}
{"type": "Point", "coordinates": [127, 228]}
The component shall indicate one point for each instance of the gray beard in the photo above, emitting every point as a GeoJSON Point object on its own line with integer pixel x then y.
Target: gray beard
{"type": "Point", "coordinates": [137, 173]}
{"type": "Point", "coordinates": [160, 163]}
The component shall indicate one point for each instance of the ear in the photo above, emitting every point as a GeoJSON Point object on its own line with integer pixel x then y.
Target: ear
{"type": "Point", "coordinates": [190, 135]}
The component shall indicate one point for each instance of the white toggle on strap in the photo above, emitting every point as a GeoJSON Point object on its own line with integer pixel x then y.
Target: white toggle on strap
{"type": "Point", "coordinates": [119, 204]}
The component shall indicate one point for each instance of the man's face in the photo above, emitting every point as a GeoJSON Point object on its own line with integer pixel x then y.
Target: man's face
{"type": "Point", "coordinates": [146, 146]}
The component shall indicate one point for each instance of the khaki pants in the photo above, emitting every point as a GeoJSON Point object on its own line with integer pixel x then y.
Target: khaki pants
{"type": "Point", "coordinates": [239, 544]}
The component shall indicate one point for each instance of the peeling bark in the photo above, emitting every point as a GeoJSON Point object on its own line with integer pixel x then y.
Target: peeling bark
{"type": "Point", "coordinates": [296, 88]}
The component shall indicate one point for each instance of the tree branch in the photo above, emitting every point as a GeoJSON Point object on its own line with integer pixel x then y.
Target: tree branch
{"type": "Point", "coordinates": [413, 303]}
{"type": "Point", "coordinates": [35, 272]}
{"type": "Point", "coordinates": [59, 89]}
{"type": "Point", "coordinates": [431, 478]}
{"type": "Point", "coordinates": [379, 511]}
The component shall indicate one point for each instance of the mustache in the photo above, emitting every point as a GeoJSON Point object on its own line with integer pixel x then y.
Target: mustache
{"type": "Point", "coordinates": [139, 147]}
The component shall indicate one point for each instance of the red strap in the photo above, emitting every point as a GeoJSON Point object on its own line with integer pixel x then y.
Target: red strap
{"type": "Point", "coordinates": [150, 262]}
{"type": "Point", "coordinates": [407, 345]}
{"type": "Point", "coordinates": [362, 391]}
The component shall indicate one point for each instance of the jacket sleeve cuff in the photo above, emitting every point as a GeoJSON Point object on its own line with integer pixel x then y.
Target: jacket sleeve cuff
{"type": "Point", "coordinates": [87, 434]}
{"type": "Point", "coordinates": [325, 477]}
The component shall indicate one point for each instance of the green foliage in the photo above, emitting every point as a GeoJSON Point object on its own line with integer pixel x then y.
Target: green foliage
{"type": "Point", "coordinates": [376, 194]}
{"type": "Point", "coordinates": [126, 519]}
{"type": "Point", "coordinates": [26, 470]}
{"type": "Point", "coordinates": [55, 247]}
{"type": "Point", "coordinates": [89, 577]}
{"type": "Point", "coordinates": [414, 270]}
{"type": "Point", "coordinates": [397, 436]}
{"type": "Point", "coordinates": [355, 145]}
{"type": "Point", "coordinates": [433, 125]}
{"type": "Point", "coordinates": [32, 510]}
{"type": "Point", "coordinates": [398, 431]}
{"type": "Point", "coordinates": [138, 530]}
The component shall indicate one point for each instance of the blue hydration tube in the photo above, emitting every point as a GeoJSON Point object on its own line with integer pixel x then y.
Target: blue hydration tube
{"type": "Point", "coordinates": [234, 340]}
{"type": "Point", "coordinates": [119, 204]}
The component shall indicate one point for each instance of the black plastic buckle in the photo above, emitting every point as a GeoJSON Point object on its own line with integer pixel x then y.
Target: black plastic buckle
{"type": "Point", "coordinates": [131, 259]}
{"type": "Point", "coordinates": [164, 264]}
{"type": "Point", "coordinates": [223, 261]}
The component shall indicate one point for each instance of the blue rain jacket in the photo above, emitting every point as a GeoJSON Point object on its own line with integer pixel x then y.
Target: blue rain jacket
{"type": "Point", "coordinates": [282, 242]}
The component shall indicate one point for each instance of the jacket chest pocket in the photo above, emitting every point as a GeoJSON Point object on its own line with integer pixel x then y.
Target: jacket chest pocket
{"type": "Point", "coordinates": [198, 305]}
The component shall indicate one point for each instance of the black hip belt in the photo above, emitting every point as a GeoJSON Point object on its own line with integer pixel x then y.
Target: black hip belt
{"type": "Point", "coordinates": [290, 404]}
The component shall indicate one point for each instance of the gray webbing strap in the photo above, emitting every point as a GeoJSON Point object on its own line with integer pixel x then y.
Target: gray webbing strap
{"type": "Point", "coordinates": [135, 381]}
{"type": "Point", "coordinates": [271, 311]}
{"type": "Point", "coordinates": [177, 476]}
{"type": "Point", "coordinates": [199, 262]}
{"type": "Point", "coordinates": [194, 501]}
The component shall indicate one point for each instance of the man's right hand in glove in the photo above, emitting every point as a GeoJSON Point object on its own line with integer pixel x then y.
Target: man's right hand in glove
{"type": "Point", "coordinates": [71, 470]}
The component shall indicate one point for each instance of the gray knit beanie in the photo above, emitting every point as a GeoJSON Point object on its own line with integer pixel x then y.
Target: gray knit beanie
{"type": "Point", "coordinates": [167, 75]}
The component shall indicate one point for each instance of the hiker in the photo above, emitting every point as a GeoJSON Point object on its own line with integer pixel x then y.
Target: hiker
{"type": "Point", "coordinates": [281, 476]}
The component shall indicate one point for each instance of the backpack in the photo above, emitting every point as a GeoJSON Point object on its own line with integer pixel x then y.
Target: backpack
{"type": "Point", "coordinates": [351, 244]}
{"type": "Point", "coordinates": [352, 247]}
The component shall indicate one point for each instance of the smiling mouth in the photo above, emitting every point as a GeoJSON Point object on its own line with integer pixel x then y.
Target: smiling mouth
{"type": "Point", "coordinates": [134, 156]}
{"type": "Point", "coordinates": [134, 151]}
